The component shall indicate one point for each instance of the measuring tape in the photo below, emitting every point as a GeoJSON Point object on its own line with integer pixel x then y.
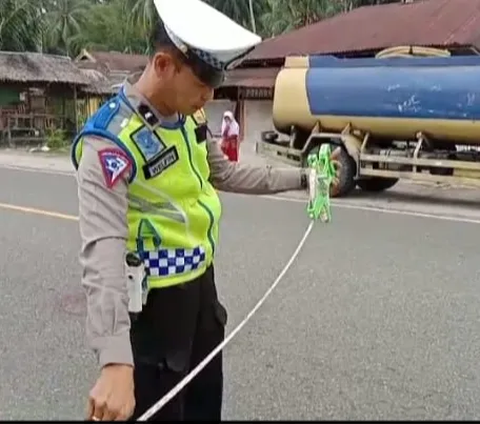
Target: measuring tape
{"type": "Point", "coordinates": [322, 173]}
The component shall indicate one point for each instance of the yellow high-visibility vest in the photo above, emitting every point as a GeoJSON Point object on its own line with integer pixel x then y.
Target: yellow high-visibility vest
{"type": "Point", "coordinates": [173, 210]}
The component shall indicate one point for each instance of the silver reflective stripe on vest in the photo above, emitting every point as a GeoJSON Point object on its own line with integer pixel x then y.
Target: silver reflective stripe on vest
{"type": "Point", "coordinates": [172, 204]}
{"type": "Point", "coordinates": [165, 209]}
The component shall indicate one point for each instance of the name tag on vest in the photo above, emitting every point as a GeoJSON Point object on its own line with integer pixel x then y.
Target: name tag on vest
{"type": "Point", "coordinates": [162, 162]}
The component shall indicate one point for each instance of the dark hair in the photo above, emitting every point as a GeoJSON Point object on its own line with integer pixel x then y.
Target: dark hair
{"type": "Point", "coordinates": [159, 40]}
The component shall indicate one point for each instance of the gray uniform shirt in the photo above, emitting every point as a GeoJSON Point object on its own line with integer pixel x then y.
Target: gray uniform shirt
{"type": "Point", "coordinates": [103, 229]}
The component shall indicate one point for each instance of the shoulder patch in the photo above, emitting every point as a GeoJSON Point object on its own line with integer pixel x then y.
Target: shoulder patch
{"type": "Point", "coordinates": [114, 164]}
{"type": "Point", "coordinates": [148, 142]}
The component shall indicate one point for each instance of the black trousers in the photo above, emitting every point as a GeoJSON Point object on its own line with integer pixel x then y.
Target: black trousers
{"type": "Point", "coordinates": [177, 328]}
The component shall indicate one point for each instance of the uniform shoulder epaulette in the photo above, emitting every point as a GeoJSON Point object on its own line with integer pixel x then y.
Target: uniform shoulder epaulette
{"type": "Point", "coordinates": [110, 116]}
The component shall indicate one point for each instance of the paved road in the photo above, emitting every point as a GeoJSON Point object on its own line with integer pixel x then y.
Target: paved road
{"type": "Point", "coordinates": [378, 319]}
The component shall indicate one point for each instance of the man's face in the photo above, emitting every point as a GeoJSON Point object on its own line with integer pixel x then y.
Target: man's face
{"type": "Point", "coordinates": [186, 93]}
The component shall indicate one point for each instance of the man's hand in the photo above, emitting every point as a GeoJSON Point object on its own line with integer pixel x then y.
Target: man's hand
{"type": "Point", "coordinates": [335, 156]}
{"type": "Point", "coordinates": [112, 398]}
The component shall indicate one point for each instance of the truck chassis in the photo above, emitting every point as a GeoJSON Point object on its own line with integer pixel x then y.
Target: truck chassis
{"type": "Point", "coordinates": [378, 164]}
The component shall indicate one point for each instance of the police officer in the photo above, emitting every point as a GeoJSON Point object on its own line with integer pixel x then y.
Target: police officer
{"type": "Point", "coordinates": [147, 181]}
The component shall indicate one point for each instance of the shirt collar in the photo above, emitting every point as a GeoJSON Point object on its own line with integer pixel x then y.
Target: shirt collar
{"type": "Point", "coordinates": [143, 107]}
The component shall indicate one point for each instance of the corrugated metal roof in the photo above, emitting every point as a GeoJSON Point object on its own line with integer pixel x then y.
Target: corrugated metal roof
{"type": "Point", "coordinates": [425, 22]}
{"type": "Point", "coordinates": [111, 61]}
{"type": "Point", "coordinates": [119, 65]}
{"type": "Point", "coordinates": [251, 77]}
{"type": "Point", "coordinates": [116, 61]}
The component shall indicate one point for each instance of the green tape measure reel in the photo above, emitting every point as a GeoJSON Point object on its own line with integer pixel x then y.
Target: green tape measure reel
{"type": "Point", "coordinates": [322, 173]}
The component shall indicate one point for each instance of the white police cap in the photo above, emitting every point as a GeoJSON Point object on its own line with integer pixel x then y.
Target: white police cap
{"type": "Point", "coordinates": [210, 41]}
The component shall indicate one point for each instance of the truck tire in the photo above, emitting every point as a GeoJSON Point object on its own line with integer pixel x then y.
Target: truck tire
{"type": "Point", "coordinates": [347, 175]}
{"type": "Point", "coordinates": [376, 184]}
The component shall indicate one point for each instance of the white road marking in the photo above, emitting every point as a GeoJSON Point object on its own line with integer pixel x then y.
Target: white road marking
{"type": "Point", "coordinates": [439, 216]}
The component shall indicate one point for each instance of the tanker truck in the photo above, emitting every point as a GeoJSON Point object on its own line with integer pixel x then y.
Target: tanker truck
{"type": "Point", "coordinates": [395, 116]}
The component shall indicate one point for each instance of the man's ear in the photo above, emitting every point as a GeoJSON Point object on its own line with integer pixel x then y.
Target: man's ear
{"type": "Point", "coordinates": [163, 63]}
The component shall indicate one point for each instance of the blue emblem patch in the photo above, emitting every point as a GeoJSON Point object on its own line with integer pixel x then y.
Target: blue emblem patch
{"type": "Point", "coordinates": [148, 143]}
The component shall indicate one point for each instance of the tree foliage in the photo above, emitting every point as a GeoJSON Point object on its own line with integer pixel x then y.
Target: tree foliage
{"type": "Point", "coordinates": [66, 26]}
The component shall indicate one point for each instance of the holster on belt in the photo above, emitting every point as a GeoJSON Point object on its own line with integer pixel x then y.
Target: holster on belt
{"type": "Point", "coordinates": [137, 283]}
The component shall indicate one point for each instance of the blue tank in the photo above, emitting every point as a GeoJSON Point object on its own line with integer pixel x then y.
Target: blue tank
{"type": "Point", "coordinates": [390, 97]}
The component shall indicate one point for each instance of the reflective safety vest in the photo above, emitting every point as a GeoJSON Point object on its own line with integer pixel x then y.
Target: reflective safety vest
{"type": "Point", "coordinates": [173, 210]}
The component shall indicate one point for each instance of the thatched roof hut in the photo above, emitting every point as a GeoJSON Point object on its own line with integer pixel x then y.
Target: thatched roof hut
{"type": "Point", "coordinates": [111, 62]}
{"type": "Point", "coordinates": [115, 66]}
{"type": "Point", "coordinates": [98, 83]}
{"type": "Point", "coordinates": [39, 69]}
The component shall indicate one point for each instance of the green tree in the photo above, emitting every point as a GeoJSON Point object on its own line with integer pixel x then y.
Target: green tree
{"type": "Point", "coordinates": [239, 10]}
{"type": "Point", "coordinates": [66, 26]}
{"type": "Point", "coordinates": [143, 15]}
{"type": "Point", "coordinates": [108, 29]}
{"type": "Point", "coordinates": [286, 15]}
{"type": "Point", "coordinates": [65, 21]}
{"type": "Point", "coordinates": [21, 26]}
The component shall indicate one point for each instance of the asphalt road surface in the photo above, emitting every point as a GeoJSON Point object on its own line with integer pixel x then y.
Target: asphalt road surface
{"type": "Point", "coordinates": [379, 317]}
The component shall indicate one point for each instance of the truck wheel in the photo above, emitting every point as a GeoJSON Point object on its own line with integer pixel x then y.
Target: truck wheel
{"type": "Point", "coordinates": [347, 174]}
{"type": "Point", "coordinates": [376, 184]}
